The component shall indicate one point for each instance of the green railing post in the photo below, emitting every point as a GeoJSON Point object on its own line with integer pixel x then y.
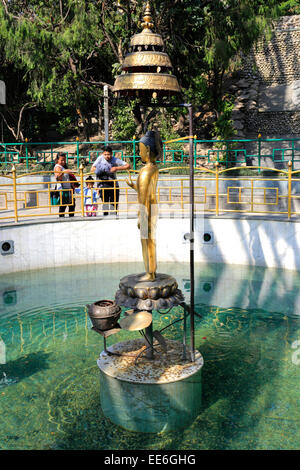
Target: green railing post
{"type": "Point", "coordinates": [77, 151]}
{"type": "Point", "coordinates": [26, 153]}
{"type": "Point", "coordinates": [259, 152]}
{"type": "Point", "coordinates": [134, 156]}
{"type": "Point", "coordinates": [227, 154]}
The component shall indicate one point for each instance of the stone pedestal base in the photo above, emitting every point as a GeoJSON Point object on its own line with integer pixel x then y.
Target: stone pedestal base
{"type": "Point", "coordinates": [162, 293]}
{"type": "Point", "coordinates": [163, 394]}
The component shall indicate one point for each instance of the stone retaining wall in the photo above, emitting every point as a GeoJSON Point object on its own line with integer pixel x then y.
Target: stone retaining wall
{"type": "Point", "coordinates": [276, 61]}
{"type": "Point", "coordinates": [267, 98]}
{"type": "Point", "coordinates": [280, 123]}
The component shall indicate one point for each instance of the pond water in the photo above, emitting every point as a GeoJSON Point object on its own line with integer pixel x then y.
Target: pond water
{"type": "Point", "coordinates": [249, 336]}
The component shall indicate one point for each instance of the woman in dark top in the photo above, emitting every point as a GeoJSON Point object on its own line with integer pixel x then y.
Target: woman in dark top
{"type": "Point", "coordinates": [62, 175]}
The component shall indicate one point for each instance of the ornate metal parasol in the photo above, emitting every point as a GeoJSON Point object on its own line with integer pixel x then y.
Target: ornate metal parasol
{"type": "Point", "coordinates": [147, 69]}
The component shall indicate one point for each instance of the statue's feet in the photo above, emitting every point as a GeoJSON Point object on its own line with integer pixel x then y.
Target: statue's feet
{"type": "Point", "coordinates": [148, 277]}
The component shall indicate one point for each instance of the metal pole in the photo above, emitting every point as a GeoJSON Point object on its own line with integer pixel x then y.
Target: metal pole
{"type": "Point", "coordinates": [217, 187]}
{"type": "Point", "coordinates": [2, 92]}
{"type": "Point", "coordinates": [192, 210]}
{"type": "Point", "coordinates": [106, 115]}
{"type": "Point", "coordinates": [289, 188]}
{"type": "Point", "coordinates": [149, 337]}
{"type": "Point", "coordinates": [14, 178]}
{"type": "Point", "coordinates": [184, 334]}
{"type": "Point", "coordinates": [81, 192]}
{"type": "Point", "coordinates": [259, 154]}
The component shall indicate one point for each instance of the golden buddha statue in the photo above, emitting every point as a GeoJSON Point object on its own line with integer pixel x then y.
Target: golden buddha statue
{"type": "Point", "coordinates": [150, 151]}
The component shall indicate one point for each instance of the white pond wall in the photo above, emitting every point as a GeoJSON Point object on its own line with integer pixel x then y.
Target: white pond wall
{"type": "Point", "coordinates": [244, 241]}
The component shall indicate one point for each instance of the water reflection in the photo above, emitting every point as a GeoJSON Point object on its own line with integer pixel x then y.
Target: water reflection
{"type": "Point", "coordinates": [226, 286]}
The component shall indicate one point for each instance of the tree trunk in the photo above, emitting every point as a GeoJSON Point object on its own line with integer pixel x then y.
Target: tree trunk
{"type": "Point", "coordinates": [138, 119]}
{"type": "Point", "coordinates": [86, 130]}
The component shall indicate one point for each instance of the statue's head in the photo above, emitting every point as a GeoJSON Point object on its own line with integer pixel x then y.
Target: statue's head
{"type": "Point", "coordinates": [151, 146]}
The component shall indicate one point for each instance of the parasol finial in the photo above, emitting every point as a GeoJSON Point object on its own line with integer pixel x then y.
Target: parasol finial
{"type": "Point", "coordinates": [147, 23]}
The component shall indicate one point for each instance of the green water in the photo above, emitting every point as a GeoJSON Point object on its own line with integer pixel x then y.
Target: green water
{"type": "Point", "coordinates": [248, 333]}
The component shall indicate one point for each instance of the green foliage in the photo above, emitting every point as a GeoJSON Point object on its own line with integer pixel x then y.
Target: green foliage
{"type": "Point", "coordinates": [64, 123]}
{"type": "Point", "coordinates": [123, 124]}
{"type": "Point", "coordinates": [58, 52]}
{"type": "Point", "coordinates": [58, 55]}
{"type": "Point", "coordinates": [223, 128]}
{"type": "Point", "coordinates": [164, 124]}
{"type": "Point", "coordinates": [3, 168]}
{"type": "Point", "coordinates": [290, 7]}
{"type": "Point", "coordinates": [198, 91]}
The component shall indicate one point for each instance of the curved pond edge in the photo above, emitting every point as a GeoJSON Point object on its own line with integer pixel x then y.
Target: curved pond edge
{"type": "Point", "coordinates": [252, 240]}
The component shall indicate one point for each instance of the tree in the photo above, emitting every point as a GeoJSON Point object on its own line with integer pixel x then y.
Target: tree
{"type": "Point", "coordinates": [203, 39]}
{"type": "Point", "coordinates": [63, 51]}
{"type": "Point", "coordinates": [18, 102]}
{"type": "Point", "coordinates": [67, 50]}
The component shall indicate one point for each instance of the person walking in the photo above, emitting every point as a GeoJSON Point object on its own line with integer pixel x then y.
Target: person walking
{"type": "Point", "coordinates": [105, 167]}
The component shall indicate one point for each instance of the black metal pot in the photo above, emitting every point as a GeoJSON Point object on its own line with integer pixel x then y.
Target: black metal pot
{"type": "Point", "coordinates": [104, 314]}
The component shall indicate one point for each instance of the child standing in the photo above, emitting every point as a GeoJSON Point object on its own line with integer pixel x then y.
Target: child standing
{"type": "Point", "coordinates": [90, 197]}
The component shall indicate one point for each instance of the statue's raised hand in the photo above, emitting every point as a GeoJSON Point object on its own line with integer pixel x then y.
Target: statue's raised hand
{"type": "Point", "coordinates": [130, 182]}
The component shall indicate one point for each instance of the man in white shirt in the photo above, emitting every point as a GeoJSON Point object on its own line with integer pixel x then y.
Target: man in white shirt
{"type": "Point", "coordinates": [105, 168]}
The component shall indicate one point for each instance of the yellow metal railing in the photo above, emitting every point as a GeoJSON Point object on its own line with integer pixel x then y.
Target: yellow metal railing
{"type": "Point", "coordinates": [22, 197]}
